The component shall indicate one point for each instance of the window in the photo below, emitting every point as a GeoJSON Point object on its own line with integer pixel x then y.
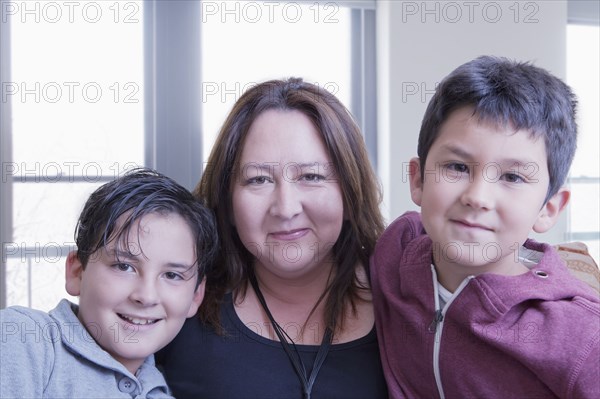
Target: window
{"type": "Point", "coordinates": [258, 43]}
{"type": "Point", "coordinates": [317, 41]}
{"type": "Point", "coordinates": [228, 46]}
{"type": "Point", "coordinates": [76, 93]}
{"type": "Point", "coordinates": [583, 44]}
{"type": "Point", "coordinates": [92, 88]}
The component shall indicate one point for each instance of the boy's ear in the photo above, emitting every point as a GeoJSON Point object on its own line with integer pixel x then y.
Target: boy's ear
{"type": "Point", "coordinates": [551, 210]}
{"type": "Point", "coordinates": [416, 183]}
{"type": "Point", "coordinates": [73, 271]}
{"type": "Point", "coordinates": [197, 300]}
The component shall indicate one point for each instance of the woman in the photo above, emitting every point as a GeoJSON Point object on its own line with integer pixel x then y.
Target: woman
{"type": "Point", "coordinates": [287, 311]}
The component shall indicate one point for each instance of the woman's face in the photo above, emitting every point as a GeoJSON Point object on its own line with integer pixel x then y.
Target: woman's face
{"type": "Point", "coordinates": [287, 202]}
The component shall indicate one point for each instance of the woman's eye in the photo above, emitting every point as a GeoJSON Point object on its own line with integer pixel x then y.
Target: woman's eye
{"type": "Point", "coordinates": [258, 180]}
{"type": "Point", "coordinates": [313, 177]}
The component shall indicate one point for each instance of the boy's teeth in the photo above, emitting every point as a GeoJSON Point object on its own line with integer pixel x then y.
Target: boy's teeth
{"type": "Point", "coordinates": [133, 320]}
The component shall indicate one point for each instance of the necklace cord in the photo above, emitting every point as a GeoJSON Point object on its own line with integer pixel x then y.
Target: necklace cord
{"type": "Point", "coordinates": [295, 358]}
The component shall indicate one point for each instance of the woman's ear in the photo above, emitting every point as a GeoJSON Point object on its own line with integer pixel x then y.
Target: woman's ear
{"type": "Point", "coordinates": [73, 272]}
{"type": "Point", "coordinates": [416, 182]}
{"type": "Point", "coordinates": [551, 210]}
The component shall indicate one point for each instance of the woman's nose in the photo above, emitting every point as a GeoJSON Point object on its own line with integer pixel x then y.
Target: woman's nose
{"type": "Point", "coordinates": [287, 201]}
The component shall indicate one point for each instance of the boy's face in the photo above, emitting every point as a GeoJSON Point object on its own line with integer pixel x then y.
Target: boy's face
{"type": "Point", "coordinates": [135, 293]}
{"type": "Point", "coordinates": [483, 191]}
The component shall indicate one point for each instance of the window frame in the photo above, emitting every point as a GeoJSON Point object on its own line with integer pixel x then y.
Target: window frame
{"type": "Point", "coordinates": [172, 108]}
{"type": "Point", "coordinates": [5, 152]}
{"type": "Point", "coordinates": [173, 128]}
{"type": "Point", "coordinates": [583, 13]}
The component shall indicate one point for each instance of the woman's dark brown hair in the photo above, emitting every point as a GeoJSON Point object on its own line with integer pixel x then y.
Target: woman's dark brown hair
{"type": "Point", "coordinates": [360, 190]}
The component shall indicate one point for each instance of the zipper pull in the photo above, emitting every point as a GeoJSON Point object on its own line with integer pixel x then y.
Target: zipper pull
{"type": "Point", "coordinates": [437, 319]}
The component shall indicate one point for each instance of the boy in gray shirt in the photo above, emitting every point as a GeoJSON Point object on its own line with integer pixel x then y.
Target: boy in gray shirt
{"type": "Point", "coordinates": [143, 246]}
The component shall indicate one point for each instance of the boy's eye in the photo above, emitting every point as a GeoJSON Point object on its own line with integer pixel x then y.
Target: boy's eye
{"type": "Point", "coordinates": [458, 167]}
{"type": "Point", "coordinates": [512, 178]}
{"type": "Point", "coordinates": [123, 267]}
{"type": "Point", "coordinates": [173, 276]}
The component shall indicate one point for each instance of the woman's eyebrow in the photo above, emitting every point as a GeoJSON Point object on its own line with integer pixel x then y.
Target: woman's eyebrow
{"type": "Point", "coordinates": [264, 166]}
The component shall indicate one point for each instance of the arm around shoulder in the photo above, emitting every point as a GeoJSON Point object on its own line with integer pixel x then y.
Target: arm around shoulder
{"type": "Point", "coordinates": [393, 241]}
{"type": "Point", "coordinates": [586, 382]}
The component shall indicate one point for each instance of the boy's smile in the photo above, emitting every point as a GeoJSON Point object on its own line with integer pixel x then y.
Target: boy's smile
{"type": "Point", "coordinates": [135, 294]}
{"type": "Point", "coordinates": [483, 191]}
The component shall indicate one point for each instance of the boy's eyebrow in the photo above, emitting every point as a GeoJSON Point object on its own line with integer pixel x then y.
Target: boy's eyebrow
{"type": "Point", "coordinates": [121, 254]}
{"type": "Point", "coordinates": [505, 161]}
{"type": "Point", "coordinates": [180, 266]}
{"type": "Point", "coordinates": [456, 150]}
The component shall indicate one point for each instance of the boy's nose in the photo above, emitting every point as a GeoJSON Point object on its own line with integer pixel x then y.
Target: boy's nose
{"type": "Point", "coordinates": [145, 293]}
{"type": "Point", "coordinates": [478, 194]}
{"type": "Point", "coordinates": [286, 202]}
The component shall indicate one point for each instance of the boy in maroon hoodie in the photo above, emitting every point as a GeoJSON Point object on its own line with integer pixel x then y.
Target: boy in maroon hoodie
{"type": "Point", "coordinates": [466, 305]}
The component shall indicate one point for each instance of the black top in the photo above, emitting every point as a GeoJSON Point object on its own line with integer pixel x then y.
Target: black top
{"type": "Point", "coordinates": [243, 364]}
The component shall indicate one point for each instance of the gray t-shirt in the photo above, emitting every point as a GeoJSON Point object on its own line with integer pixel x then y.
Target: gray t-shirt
{"type": "Point", "coordinates": [51, 355]}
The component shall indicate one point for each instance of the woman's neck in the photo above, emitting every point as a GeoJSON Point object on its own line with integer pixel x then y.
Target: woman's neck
{"type": "Point", "coordinates": [291, 302]}
{"type": "Point", "coordinates": [296, 291]}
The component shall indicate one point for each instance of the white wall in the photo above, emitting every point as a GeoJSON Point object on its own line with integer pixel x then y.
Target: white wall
{"type": "Point", "coordinates": [418, 43]}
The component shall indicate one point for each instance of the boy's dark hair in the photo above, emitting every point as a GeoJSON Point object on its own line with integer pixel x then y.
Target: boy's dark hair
{"type": "Point", "coordinates": [137, 193]}
{"type": "Point", "coordinates": [509, 93]}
